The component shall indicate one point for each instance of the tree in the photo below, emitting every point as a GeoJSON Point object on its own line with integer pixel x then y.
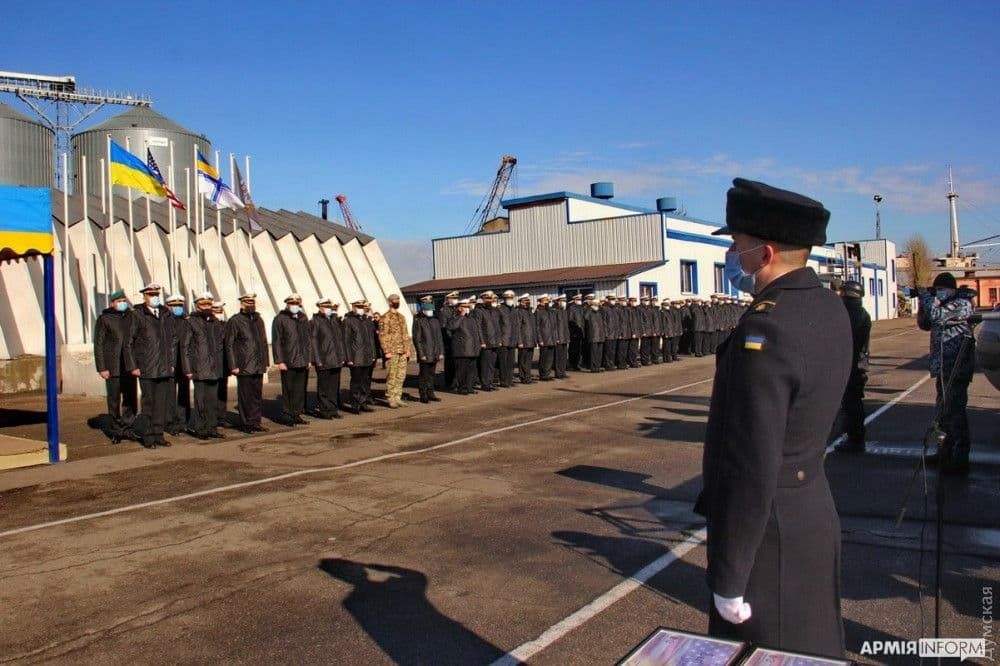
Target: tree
{"type": "Point", "coordinates": [921, 267]}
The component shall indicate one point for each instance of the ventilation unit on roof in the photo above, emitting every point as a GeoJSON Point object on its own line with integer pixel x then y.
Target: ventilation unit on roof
{"type": "Point", "coordinates": [602, 190]}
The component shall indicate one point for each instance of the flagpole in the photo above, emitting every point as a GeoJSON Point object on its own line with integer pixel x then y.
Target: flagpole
{"type": "Point", "coordinates": [218, 230]}
{"type": "Point", "coordinates": [236, 221]}
{"type": "Point", "coordinates": [65, 247]}
{"type": "Point", "coordinates": [86, 249]}
{"type": "Point", "coordinates": [197, 219]}
{"type": "Point", "coordinates": [149, 229]}
{"type": "Point", "coordinates": [253, 263]}
{"type": "Point", "coordinates": [109, 283]}
{"type": "Point", "coordinates": [131, 228]}
{"type": "Point", "coordinates": [187, 208]}
{"type": "Point", "coordinates": [173, 224]}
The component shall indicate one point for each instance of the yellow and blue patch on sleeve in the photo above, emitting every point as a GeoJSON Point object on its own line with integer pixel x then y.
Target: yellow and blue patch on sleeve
{"type": "Point", "coordinates": [754, 342]}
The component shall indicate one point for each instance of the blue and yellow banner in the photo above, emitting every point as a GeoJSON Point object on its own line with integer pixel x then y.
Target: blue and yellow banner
{"type": "Point", "coordinates": [130, 171]}
{"type": "Point", "coordinates": [25, 221]}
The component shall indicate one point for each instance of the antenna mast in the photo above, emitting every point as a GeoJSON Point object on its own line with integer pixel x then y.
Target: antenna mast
{"type": "Point", "coordinates": [953, 206]}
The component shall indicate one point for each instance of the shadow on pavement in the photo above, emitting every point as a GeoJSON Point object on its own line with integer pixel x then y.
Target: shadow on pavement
{"type": "Point", "coordinates": [390, 603]}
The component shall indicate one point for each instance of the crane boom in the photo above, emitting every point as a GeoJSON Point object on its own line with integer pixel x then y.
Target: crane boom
{"type": "Point", "coordinates": [490, 206]}
{"type": "Point", "coordinates": [346, 212]}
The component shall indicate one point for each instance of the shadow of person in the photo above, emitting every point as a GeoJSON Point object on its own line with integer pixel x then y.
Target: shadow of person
{"type": "Point", "coordinates": [390, 603]}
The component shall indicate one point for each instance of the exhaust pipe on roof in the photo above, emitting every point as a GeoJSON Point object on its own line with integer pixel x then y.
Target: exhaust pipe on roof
{"type": "Point", "coordinates": [324, 208]}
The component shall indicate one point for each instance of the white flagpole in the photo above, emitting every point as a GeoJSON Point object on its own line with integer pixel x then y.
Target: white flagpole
{"type": "Point", "coordinates": [187, 207]}
{"type": "Point", "coordinates": [197, 220]}
{"type": "Point", "coordinates": [111, 283]}
{"type": "Point", "coordinates": [173, 223]}
{"type": "Point", "coordinates": [65, 247]}
{"type": "Point", "coordinates": [149, 232]}
{"type": "Point", "coordinates": [104, 187]}
{"type": "Point", "coordinates": [236, 220]}
{"type": "Point", "coordinates": [253, 263]}
{"type": "Point", "coordinates": [131, 230]}
{"type": "Point", "coordinates": [87, 261]}
{"type": "Point", "coordinates": [218, 230]}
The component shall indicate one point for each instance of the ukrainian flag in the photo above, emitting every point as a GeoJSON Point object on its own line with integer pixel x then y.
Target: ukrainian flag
{"type": "Point", "coordinates": [205, 168]}
{"type": "Point", "coordinates": [130, 171]}
{"type": "Point", "coordinates": [25, 221]}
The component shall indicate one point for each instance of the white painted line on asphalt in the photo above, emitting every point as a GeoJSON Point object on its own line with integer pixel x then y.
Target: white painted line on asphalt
{"type": "Point", "coordinates": [526, 651]}
{"type": "Point", "coordinates": [882, 410]}
{"type": "Point", "coordinates": [334, 468]}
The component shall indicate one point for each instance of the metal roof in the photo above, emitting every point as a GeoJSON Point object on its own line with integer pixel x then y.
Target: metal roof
{"type": "Point", "coordinates": [9, 112]}
{"type": "Point", "coordinates": [141, 117]}
{"type": "Point", "coordinates": [572, 274]}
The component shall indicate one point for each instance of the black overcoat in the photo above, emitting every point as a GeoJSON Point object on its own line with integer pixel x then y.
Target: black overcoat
{"type": "Point", "coordinates": [328, 342]}
{"type": "Point", "coordinates": [113, 342]}
{"type": "Point", "coordinates": [773, 529]}
{"type": "Point", "coordinates": [246, 344]}
{"type": "Point", "coordinates": [428, 341]}
{"type": "Point", "coordinates": [201, 350]}
{"type": "Point", "coordinates": [291, 342]}
{"type": "Point", "coordinates": [153, 342]}
{"type": "Point", "coordinates": [466, 336]}
{"type": "Point", "coordinates": [359, 343]}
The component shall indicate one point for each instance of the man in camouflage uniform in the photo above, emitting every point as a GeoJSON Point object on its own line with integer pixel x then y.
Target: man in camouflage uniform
{"type": "Point", "coordinates": [395, 341]}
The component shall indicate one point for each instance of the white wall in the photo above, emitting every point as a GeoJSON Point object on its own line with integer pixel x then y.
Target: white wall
{"type": "Point", "coordinates": [580, 210]}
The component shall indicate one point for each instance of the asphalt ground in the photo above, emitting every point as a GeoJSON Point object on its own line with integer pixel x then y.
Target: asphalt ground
{"type": "Point", "coordinates": [548, 523]}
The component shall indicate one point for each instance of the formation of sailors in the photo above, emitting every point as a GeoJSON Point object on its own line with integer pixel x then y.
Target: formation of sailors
{"type": "Point", "coordinates": [164, 350]}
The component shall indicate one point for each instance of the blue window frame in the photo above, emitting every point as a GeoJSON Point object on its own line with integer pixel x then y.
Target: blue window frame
{"type": "Point", "coordinates": [689, 276]}
{"type": "Point", "coordinates": [647, 289]}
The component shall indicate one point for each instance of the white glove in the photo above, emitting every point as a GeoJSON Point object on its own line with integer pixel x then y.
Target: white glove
{"type": "Point", "coordinates": [734, 611]}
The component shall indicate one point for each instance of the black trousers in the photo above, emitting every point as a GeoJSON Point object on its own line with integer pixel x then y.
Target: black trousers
{"type": "Point", "coordinates": [664, 344]}
{"type": "Point", "coordinates": [952, 400]}
{"type": "Point", "coordinates": [657, 349]}
{"type": "Point", "coordinates": [675, 347]}
{"type": "Point", "coordinates": [854, 408]}
{"type": "Point", "coordinates": [293, 392]}
{"type": "Point", "coordinates": [123, 403]}
{"type": "Point", "coordinates": [426, 378]}
{"type": "Point", "coordinates": [525, 355]}
{"type": "Point", "coordinates": [608, 351]}
{"type": "Point", "coordinates": [205, 416]}
{"type": "Point", "coordinates": [546, 358]}
{"type": "Point", "coordinates": [633, 352]}
{"type": "Point", "coordinates": [576, 350]}
{"type": "Point", "coordinates": [449, 365]}
{"type": "Point", "coordinates": [327, 391]}
{"type": "Point", "coordinates": [595, 355]}
{"type": "Point", "coordinates": [156, 399]}
{"type": "Point", "coordinates": [698, 343]}
{"type": "Point", "coordinates": [222, 394]}
{"type": "Point", "coordinates": [646, 350]}
{"type": "Point", "coordinates": [179, 411]}
{"type": "Point", "coordinates": [487, 366]}
{"type": "Point", "coordinates": [561, 359]}
{"type": "Point", "coordinates": [249, 398]}
{"type": "Point", "coordinates": [621, 352]}
{"type": "Point", "coordinates": [506, 360]}
{"type": "Point", "coordinates": [465, 373]}
{"type": "Point", "coordinates": [361, 384]}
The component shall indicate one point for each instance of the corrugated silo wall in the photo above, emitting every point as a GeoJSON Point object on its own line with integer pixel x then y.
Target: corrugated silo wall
{"type": "Point", "coordinates": [26, 152]}
{"type": "Point", "coordinates": [94, 145]}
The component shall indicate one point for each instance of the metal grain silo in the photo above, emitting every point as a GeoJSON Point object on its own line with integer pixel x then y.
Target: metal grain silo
{"type": "Point", "coordinates": [26, 150]}
{"type": "Point", "coordinates": [143, 128]}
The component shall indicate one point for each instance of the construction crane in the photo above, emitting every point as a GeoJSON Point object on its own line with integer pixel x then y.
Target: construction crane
{"type": "Point", "coordinates": [489, 207]}
{"type": "Point", "coordinates": [346, 212]}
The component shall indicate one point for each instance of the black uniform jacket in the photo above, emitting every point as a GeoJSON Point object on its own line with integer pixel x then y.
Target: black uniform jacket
{"type": "Point", "coordinates": [291, 340]}
{"type": "Point", "coordinates": [246, 344]}
{"type": "Point", "coordinates": [201, 350]}
{"type": "Point", "coordinates": [113, 342]}
{"type": "Point", "coordinates": [560, 319]}
{"type": "Point", "coordinates": [427, 339]}
{"type": "Point", "coordinates": [154, 342]}
{"type": "Point", "coordinates": [328, 342]}
{"type": "Point", "coordinates": [577, 314]}
{"type": "Point", "coordinates": [593, 325]}
{"type": "Point", "coordinates": [527, 327]}
{"type": "Point", "coordinates": [359, 343]}
{"type": "Point", "coordinates": [610, 317]}
{"type": "Point", "coordinates": [861, 329]}
{"type": "Point", "coordinates": [773, 530]}
{"type": "Point", "coordinates": [545, 326]}
{"type": "Point", "coordinates": [489, 322]}
{"type": "Point", "coordinates": [508, 325]}
{"type": "Point", "coordinates": [466, 336]}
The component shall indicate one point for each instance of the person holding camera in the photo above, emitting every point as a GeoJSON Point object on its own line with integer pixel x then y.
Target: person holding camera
{"type": "Point", "coordinates": [945, 310]}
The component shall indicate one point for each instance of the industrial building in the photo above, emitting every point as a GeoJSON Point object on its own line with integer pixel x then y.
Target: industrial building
{"type": "Point", "coordinates": [148, 241]}
{"type": "Point", "coordinates": [564, 242]}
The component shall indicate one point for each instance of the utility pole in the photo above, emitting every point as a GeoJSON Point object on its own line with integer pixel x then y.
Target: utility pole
{"type": "Point", "coordinates": [878, 217]}
{"type": "Point", "coordinates": [953, 206]}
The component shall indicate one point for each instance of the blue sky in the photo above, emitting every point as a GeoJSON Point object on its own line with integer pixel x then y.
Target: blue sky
{"type": "Point", "coordinates": [407, 107]}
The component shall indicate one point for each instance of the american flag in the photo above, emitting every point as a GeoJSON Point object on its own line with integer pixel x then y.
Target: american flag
{"type": "Point", "coordinates": [151, 163]}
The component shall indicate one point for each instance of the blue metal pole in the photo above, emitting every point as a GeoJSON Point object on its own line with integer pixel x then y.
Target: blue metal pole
{"type": "Point", "coordinates": [51, 388]}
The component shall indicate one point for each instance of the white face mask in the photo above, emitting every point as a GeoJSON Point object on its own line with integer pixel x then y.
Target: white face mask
{"type": "Point", "coordinates": [595, 308]}
{"type": "Point", "coordinates": [508, 302]}
{"type": "Point", "coordinates": [359, 311]}
{"type": "Point", "coordinates": [472, 306]}
{"type": "Point", "coordinates": [495, 304]}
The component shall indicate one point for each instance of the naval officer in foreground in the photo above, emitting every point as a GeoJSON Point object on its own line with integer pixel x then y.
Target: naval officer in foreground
{"type": "Point", "coordinates": [773, 529]}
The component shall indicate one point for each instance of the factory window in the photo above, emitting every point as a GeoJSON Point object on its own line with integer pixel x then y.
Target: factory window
{"type": "Point", "coordinates": [871, 286]}
{"type": "Point", "coordinates": [720, 279]}
{"type": "Point", "coordinates": [993, 295]}
{"type": "Point", "coordinates": [894, 301]}
{"type": "Point", "coordinates": [880, 286]}
{"type": "Point", "coordinates": [582, 290]}
{"type": "Point", "coordinates": [689, 277]}
{"type": "Point", "coordinates": [647, 289]}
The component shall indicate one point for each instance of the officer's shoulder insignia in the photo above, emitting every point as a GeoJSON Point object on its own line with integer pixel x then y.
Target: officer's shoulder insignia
{"type": "Point", "coordinates": [753, 342]}
{"type": "Point", "coordinates": [763, 307]}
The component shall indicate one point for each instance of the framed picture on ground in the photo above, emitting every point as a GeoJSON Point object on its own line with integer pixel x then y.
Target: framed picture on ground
{"type": "Point", "coordinates": [669, 647]}
{"type": "Point", "coordinates": [767, 657]}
